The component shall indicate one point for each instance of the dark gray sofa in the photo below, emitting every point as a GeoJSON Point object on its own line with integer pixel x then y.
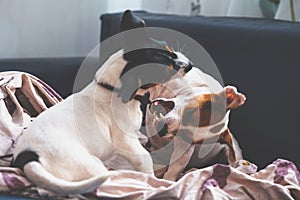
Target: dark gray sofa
{"type": "Point", "coordinates": [262, 58]}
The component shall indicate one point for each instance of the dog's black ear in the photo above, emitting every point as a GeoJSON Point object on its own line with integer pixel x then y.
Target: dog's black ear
{"type": "Point", "coordinates": [133, 39]}
{"type": "Point", "coordinates": [130, 21]}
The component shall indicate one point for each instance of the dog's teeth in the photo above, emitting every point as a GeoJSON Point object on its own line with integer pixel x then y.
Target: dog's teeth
{"type": "Point", "coordinates": [161, 115]}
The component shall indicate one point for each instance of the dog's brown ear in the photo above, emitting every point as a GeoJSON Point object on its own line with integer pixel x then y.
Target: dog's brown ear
{"type": "Point", "coordinates": [130, 21]}
{"type": "Point", "coordinates": [234, 98]}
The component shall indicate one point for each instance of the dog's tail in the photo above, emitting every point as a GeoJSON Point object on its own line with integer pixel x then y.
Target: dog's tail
{"type": "Point", "coordinates": [37, 174]}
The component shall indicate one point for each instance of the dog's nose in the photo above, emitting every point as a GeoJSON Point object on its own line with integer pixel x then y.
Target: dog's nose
{"type": "Point", "coordinates": [188, 68]}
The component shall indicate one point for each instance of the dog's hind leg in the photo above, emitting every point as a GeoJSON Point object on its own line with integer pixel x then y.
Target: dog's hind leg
{"type": "Point", "coordinates": [74, 175]}
{"type": "Point", "coordinates": [41, 177]}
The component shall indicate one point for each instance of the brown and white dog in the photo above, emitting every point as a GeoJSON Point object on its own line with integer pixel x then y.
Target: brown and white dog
{"type": "Point", "coordinates": [65, 147]}
{"type": "Point", "coordinates": [187, 124]}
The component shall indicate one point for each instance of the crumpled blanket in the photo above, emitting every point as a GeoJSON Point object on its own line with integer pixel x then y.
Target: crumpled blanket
{"type": "Point", "coordinates": [23, 97]}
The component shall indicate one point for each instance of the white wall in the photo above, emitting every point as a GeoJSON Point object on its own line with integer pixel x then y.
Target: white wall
{"type": "Point", "coordinates": [49, 28]}
{"type": "Point", "coordinates": [121, 5]}
{"type": "Point", "coordinates": [167, 6]}
{"type": "Point", "coordinates": [284, 10]}
{"type": "Point", "coordinates": [53, 28]}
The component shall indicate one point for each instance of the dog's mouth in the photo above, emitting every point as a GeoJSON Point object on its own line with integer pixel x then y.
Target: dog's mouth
{"type": "Point", "coordinates": [159, 109]}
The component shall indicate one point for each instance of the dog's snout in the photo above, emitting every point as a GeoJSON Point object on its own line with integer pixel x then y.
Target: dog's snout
{"type": "Point", "coordinates": [183, 63]}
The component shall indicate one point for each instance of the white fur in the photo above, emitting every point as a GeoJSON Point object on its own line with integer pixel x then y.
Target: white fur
{"type": "Point", "coordinates": [75, 137]}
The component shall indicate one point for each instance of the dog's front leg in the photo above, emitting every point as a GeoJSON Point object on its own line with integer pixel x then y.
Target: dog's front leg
{"type": "Point", "coordinates": [132, 150]}
{"type": "Point", "coordinates": [233, 151]}
{"type": "Point", "coordinates": [179, 159]}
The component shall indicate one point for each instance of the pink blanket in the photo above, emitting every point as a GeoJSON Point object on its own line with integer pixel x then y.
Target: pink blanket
{"type": "Point", "coordinates": [23, 97]}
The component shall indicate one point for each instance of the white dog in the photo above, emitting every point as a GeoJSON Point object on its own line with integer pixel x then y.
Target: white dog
{"type": "Point", "coordinates": [64, 149]}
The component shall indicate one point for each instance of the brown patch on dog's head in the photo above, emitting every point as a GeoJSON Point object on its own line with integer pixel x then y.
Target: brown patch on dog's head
{"type": "Point", "coordinates": [204, 110]}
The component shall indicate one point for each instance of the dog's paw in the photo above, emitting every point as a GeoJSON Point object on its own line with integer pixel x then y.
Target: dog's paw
{"type": "Point", "coordinates": [234, 99]}
{"type": "Point", "coordinates": [170, 176]}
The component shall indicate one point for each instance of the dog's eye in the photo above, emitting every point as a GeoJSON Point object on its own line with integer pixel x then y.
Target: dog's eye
{"type": "Point", "coordinates": [161, 107]}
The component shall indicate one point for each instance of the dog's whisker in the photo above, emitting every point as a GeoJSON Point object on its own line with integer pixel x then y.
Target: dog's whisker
{"type": "Point", "coordinates": [172, 48]}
